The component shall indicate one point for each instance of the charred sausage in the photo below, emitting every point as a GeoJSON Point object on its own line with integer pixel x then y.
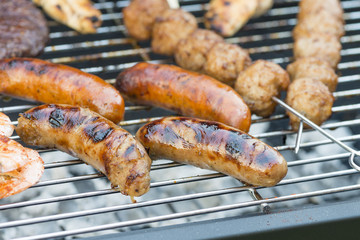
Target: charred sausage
{"type": "Point", "coordinates": [94, 139]}
{"type": "Point", "coordinates": [38, 80]}
{"type": "Point", "coordinates": [213, 146]}
{"type": "Point", "coordinates": [184, 92]}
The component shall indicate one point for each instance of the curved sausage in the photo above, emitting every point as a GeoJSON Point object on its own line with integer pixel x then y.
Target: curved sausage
{"type": "Point", "coordinates": [38, 80]}
{"type": "Point", "coordinates": [94, 139]}
{"type": "Point", "coordinates": [185, 92]}
{"type": "Point", "coordinates": [213, 146]}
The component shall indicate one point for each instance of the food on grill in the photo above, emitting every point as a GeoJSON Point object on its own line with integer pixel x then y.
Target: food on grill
{"type": "Point", "coordinates": [23, 29]}
{"type": "Point", "coordinates": [94, 139]}
{"type": "Point", "coordinates": [191, 52]}
{"type": "Point", "coordinates": [315, 69]}
{"type": "Point", "coordinates": [259, 83]}
{"type": "Point", "coordinates": [80, 15]}
{"type": "Point", "coordinates": [169, 28]}
{"type": "Point", "coordinates": [187, 93]}
{"type": "Point", "coordinates": [20, 167]}
{"type": "Point", "coordinates": [6, 128]}
{"type": "Point", "coordinates": [311, 98]}
{"type": "Point", "coordinates": [228, 16]}
{"type": "Point", "coordinates": [317, 52]}
{"type": "Point", "coordinates": [225, 61]}
{"type": "Point", "coordinates": [46, 82]}
{"type": "Point", "coordinates": [321, 22]}
{"type": "Point", "coordinates": [319, 45]}
{"type": "Point", "coordinates": [213, 146]}
{"type": "Point", "coordinates": [140, 15]}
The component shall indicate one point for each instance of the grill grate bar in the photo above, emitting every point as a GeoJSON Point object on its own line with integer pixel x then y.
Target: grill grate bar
{"type": "Point", "coordinates": [195, 212]}
{"type": "Point", "coordinates": [170, 200]}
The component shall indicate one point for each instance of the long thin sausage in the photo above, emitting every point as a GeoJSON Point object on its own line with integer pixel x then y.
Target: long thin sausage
{"type": "Point", "coordinates": [42, 81]}
{"type": "Point", "coordinates": [185, 92]}
{"type": "Point", "coordinates": [94, 139]}
{"type": "Point", "coordinates": [213, 146]}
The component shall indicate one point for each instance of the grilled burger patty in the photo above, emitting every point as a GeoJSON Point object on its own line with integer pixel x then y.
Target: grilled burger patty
{"type": "Point", "coordinates": [23, 29]}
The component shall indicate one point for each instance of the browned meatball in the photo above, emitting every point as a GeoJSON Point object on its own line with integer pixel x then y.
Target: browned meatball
{"type": "Point", "coordinates": [314, 7]}
{"type": "Point", "coordinates": [191, 51]}
{"type": "Point", "coordinates": [321, 22]}
{"type": "Point", "coordinates": [225, 61]}
{"type": "Point", "coordinates": [322, 46]}
{"type": "Point", "coordinates": [259, 83]}
{"type": "Point", "coordinates": [169, 28]}
{"type": "Point", "coordinates": [315, 69]}
{"type": "Point", "coordinates": [310, 98]}
{"type": "Point", "coordinates": [140, 15]}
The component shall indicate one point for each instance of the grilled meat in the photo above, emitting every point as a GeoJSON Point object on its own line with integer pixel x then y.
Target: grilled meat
{"type": "Point", "coordinates": [23, 29]}
{"type": "Point", "coordinates": [94, 139]}
{"type": "Point", "coordinates": [259, 83]}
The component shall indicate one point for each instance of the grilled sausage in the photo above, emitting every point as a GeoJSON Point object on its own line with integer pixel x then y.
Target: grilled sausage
{"type": "Point", "coordinates": [185, 92]}
{"type": "Point", "coordinates": [38, 80]}
{"type": "Point", "coordinates": [213, 146]}
{"type": "Point", "coordinates": [94, 139]}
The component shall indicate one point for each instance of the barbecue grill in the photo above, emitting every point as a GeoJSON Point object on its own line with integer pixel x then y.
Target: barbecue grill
{"type": "Point", "coordinates": [319, 195]}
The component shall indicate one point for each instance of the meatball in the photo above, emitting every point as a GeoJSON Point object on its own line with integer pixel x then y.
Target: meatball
{"type": "Point", "coordinates": [310, 98]}
{"type": "Point", "coordinates": [169, 28]}
{"type": "Point", "coordinates": [322, 46]}
{"type": "Point", "coordinates": [225, 61]}
{"type": "Point", "coordinates": [191, 51]}
{"type": "Point", "coordinates": [259, 83]}
{"type": "Point", "coordinates": [315, 69]}
{"type": "Point", "coordinates": [140, 15]}
{"type": "Point", "coordinates": [322, 22]}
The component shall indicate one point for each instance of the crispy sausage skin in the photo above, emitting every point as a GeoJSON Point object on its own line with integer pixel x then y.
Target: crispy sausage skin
{"type": "Point", "coordinates": [94, 139]}
{"type": "Point", "coordinates": [213, 146]}
{"type": "Point", "coordinates": [185, 92]}
{"type": "Point", "coordinates": [38, 80]}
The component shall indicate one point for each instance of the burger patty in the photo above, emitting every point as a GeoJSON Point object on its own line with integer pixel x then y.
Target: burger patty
{"type": "Point", "coordinates": [23, 29]}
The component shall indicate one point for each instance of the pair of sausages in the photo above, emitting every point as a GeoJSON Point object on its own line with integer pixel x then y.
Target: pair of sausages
{"type": "Point", "coordinates": [124, 160]}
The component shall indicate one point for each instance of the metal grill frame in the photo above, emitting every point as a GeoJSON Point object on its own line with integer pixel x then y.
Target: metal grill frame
{"type": "Point", "coordinates": [274, 29]}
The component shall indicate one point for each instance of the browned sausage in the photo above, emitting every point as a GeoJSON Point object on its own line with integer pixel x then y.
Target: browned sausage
{"type": "Point", "coordinates": [213, 146]}
{"type": "Point", "coordinates": [94, 139]}
{"type": "Point", "coordinates": [185, 92]}
{"type": "Point", "coordinates": [38, 80]}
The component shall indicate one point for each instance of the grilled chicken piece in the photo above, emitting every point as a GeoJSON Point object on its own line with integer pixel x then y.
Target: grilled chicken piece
{"type": "Point", "coordinates": [191, 52]}
{"type": "Point", "coordinates": [225, 61]}
{"type": "Point", "coordinates": [80, 15]}
{"type": "Point", "coordinates": [20, 167]}
{"type": "Point", "coordinates": [6, 128]}
{"type": "Point", "coordinates": [140, 15]}
{"type": "Point", "coordinates": [169, 28]}
{"type": "Point", "coordinates": [319, 22]}
{"type": "Point", "coordinates": [319, 45]}
{"type": "Point", "coordinates": [313, 68]}
{"type": "Point", "coordinates": [311, 98]}
{"type": "Point", "coordinates": [259, 83]}
{"type": "Point", "coordinates": [262, 7]}
{"type": "Point", "coordinates": [227, 16]}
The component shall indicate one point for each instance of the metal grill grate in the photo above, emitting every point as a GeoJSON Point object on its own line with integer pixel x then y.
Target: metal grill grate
{"type": "Point", "coordinates": [74, 200]}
